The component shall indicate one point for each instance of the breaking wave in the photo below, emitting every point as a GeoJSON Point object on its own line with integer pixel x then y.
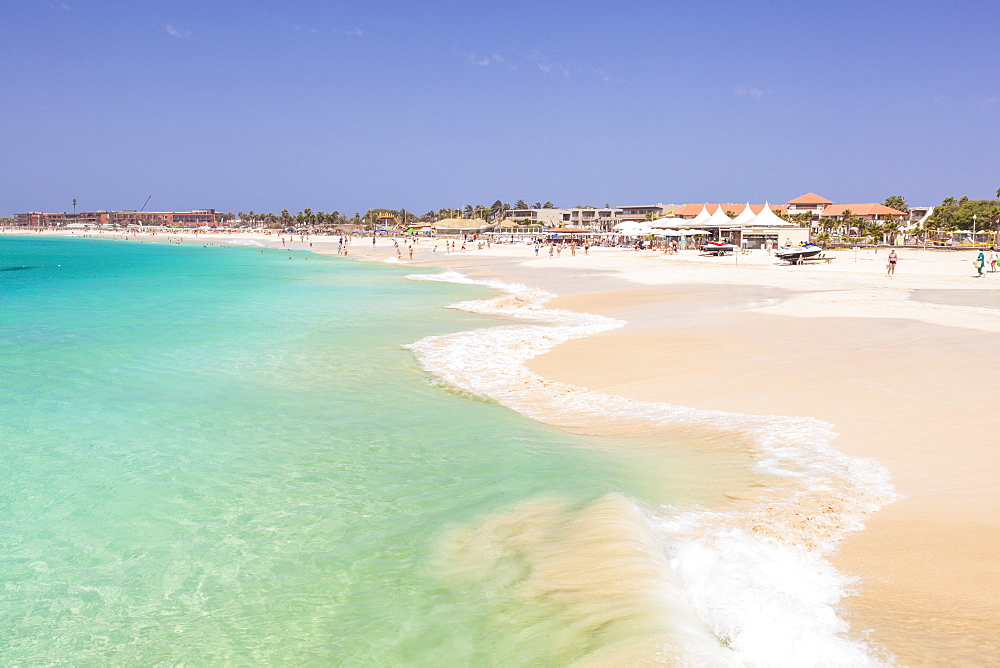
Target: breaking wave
{"type": "Point", "coordinates": [750, 576]}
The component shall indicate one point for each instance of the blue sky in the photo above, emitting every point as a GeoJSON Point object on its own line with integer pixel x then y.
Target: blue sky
{"type": "Point", "coordinates": [263, 105]}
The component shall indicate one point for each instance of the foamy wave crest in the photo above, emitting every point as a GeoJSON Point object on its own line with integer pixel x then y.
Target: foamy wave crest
{"type": "Point", "coordinates": [246, 242]}
{"type": "Point", "coordinates": [754, 570]}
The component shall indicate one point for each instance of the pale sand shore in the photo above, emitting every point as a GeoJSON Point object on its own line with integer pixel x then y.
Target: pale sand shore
{"type": "Point", "coordinates": [901, 367]}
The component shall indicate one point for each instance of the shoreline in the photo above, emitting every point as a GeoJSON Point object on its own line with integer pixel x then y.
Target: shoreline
{"type": "Point", "coordinates": [926, 563]}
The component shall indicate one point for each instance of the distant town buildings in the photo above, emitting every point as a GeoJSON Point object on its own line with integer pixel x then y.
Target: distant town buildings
{"type": "Point", "coordinates": [810, 211]}
{"type": "Point", "coordinates": [198, 218]}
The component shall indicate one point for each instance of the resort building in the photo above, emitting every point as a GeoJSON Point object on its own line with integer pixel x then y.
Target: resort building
{"type": "Point", "coordinates": [872, 212]}
{"type": "Point", "coordinates": [919, 215]}
{"type": "Point", "coordinates": [89, 219]}
{"type": "Point", "coordinates": [809, 203]}
{"type": "Point", "coordinates": [198, 218]}
{"type": "Point", "coordinates": [593, 217]}
{"type": "Point", "coordinates": [544, 217]}
{"type": "Point", "coordinates": [641, 212]}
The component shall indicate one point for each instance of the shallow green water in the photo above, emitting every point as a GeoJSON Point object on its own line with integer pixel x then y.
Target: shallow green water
{"type": "Point", "coordinates": [213, 455]}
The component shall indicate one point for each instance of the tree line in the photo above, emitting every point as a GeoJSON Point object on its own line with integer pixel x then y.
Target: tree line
{"type": "Point", "coordinates": [499, 210]}
{"type": "Point", "coordinates": [965, 214]}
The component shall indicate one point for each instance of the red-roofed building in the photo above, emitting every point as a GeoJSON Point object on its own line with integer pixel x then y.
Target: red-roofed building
{"type": "Point", "coordinates": [871, 211]}
{"type": "Point", "coordinates": [808, 203]}
{"type": "Point", "coordinates": [198, 218]}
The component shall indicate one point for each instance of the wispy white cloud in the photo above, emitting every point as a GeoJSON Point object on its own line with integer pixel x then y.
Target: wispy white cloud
{"type": "Point", "coordinates": [547, 65]}
{"type": "Point", "coordinates": [65, 7]}
{"type": "Point", "coordinates": [746, 91]}
{"type": "Point", "coordinates": [484, 61]}
{"type": "Point", "coordinates": [179, 33]}
{"type": "Point", "coordinates": [605, 77]}
{"type": "Point", "coordinates": [353, 32]}
{"type": "Point", "coordinates": [513, 58]}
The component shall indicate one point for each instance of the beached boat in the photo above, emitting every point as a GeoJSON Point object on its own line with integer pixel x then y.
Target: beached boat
{"type": "Point", "coordinates": [718, 248]}
{"type": "Point", "coordinates": [796, 253]}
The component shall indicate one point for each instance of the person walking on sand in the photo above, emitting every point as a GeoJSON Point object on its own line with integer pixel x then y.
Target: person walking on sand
{"type": "Point", "coordinates": [891, 266]}
{"type": "Point", "coordinates": [979, 263]}
{"type": "Point", "coordinates": [992, 259]}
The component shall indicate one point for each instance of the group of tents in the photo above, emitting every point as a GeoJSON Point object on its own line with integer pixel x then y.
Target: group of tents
{"type": "Point", "coordinates": [670, 226]}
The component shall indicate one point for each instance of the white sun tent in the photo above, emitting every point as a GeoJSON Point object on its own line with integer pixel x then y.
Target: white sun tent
{"type": "Point", "coordinates": [766, 218]}
{"type": "Point", "coordinates": [634, 228]}
{"type": "Point", "coordinates": [745, 216]}
{"type": "Point", "coordinates": [717, 219]}
{"type": "Point", "coordinates": [702, 216]}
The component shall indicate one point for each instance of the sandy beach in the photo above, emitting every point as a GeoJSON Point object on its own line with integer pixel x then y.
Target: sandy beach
{"type": "Point", "coordinates": [899, 366]}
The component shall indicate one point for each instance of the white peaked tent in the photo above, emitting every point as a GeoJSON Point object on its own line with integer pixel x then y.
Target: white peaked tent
{"type": "Point", "coordinates": [766, 218]}
{"type": "Point", "coordinates": [717, 219]}
{"type": "Point", "coordinates": [745, 216]}
{"type": "Point", "coordinates": [702, 216]}
{"type": "Point", "coordinates": [634, 228]}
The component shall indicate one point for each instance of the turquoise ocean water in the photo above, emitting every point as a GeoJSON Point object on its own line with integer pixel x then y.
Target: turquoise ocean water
{"type": "Point", "coordinates": [221, 456]}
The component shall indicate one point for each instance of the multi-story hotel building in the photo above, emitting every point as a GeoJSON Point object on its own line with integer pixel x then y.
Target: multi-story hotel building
{"type": "Point", "coordinates": [198, 218]}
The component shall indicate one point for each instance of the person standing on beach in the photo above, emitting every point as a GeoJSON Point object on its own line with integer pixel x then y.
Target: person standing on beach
{"type": "Point", "coordinates": [979, 263]}
{"type": "Point", "coordinates": [992, 259]}
{"type": "Point", "coordinates": [891, 267]}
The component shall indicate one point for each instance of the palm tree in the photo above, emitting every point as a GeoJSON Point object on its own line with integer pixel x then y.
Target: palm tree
{"type": "Point", "coordinates": [897, 202]}
{"type": "Point", "coordinates": [846, 218]}
{"type": "Point", "coordinates": [521, 204]}
{"type": "Point", "coordinates": [499, 210]}
{"type": "Point", "coordinates": [891, 228]}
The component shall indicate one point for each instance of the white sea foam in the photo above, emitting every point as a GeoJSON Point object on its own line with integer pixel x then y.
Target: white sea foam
{"type": "Point", "coordinates": [754, 570]}
{"type": "Point", "coordinates": [243, 241]}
